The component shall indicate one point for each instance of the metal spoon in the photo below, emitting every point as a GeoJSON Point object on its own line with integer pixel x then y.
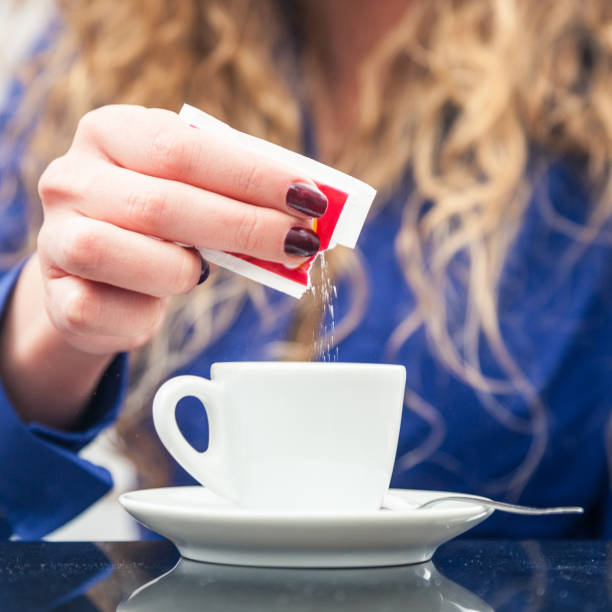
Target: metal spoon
{"type": "Point", "coordinates": [392, 502]}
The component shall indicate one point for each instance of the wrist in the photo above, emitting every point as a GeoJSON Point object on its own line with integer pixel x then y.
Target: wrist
{"type": "Point", "coordinates": [47, 379]}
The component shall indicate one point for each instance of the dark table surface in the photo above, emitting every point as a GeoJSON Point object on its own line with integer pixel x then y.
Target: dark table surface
{"type": "Point", "coordinates": [465, 575]}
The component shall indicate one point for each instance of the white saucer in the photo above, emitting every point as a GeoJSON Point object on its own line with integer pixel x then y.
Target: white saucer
{"type": "Point", "coordinates": [205, 527]}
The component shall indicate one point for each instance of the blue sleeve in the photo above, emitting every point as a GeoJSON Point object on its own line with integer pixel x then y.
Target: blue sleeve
{"type": "Point", "coordinates": [44, 482]}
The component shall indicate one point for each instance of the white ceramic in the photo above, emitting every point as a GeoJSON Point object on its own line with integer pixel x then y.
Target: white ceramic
{"type": "Point", "coordinates": [291, 436]}
{"type": "Point", "coordinates": [191, 587]}
{"type": "Point", "coordinates": [206, 527]}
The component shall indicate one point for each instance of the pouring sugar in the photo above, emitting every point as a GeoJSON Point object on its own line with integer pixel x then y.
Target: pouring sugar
{"type": "Point", "coordinates": [349, 201]}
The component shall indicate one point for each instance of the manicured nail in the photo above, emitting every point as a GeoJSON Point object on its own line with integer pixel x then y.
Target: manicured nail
{"type": "Point", "coordinates": [205, 271]}
{"type": "Point", "coordinates": [301, 242]}
{"type": "Point", "coordinates": [307, 199]}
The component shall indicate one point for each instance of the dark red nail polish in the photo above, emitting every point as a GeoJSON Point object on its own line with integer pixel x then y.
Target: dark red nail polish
{"type": "Point", "coordinates": [301, 242]}
{"type": "Point", "coordinates": [205, 271]}
{"type": "Point", "coordinates": [306, 199]}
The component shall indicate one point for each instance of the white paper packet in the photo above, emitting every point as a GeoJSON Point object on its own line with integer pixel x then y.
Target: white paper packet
{"type": "Point", "coordinates": [349, 201]}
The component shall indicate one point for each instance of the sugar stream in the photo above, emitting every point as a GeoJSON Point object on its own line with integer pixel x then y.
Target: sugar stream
{"type": "Point", "coordinates": [325, 292]}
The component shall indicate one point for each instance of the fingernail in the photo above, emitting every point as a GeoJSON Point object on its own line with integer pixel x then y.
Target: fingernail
{"type": "Point", "coordinates": [301, 242]}
{"type": "Point", "coordinates": [205, 271]}
{"type": "Point", "coordinates": [306, 199]}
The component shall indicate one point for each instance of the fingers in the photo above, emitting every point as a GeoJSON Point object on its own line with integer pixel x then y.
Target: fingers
{"type": "Point", "coordinates": [80, 307]}
{"type": "Point", "coordinates": [158, 143]}
{"type": "Point", "coordinates": [197, 190]}
{"type": "Point", "coordinates": [182, 213]}
{"type": "Point", "coordinates": [101, 252]}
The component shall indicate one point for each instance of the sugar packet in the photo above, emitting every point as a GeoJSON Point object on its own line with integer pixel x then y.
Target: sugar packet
{"type": "Point", "coordinates": [349, 201]}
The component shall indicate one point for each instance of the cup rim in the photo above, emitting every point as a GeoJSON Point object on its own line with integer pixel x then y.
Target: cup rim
{"type": "Point", "coordinates": [310, 365]}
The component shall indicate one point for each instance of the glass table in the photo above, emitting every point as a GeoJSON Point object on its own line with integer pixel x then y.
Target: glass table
{"type": "Point", "coordinates": [465, 575]}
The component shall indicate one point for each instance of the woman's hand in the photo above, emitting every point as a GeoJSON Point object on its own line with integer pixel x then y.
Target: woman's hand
{"type": "Point", "coordinates": [136, 182]}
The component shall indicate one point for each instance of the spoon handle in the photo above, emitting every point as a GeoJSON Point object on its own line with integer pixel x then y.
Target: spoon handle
{"type": "Point", "coordinates": [503, 506]}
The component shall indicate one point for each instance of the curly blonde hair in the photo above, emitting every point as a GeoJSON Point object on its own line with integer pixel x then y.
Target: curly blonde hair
{"type": "Point", "coordinates": [459, 91]}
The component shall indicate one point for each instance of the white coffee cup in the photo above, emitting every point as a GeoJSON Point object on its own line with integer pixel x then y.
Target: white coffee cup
{"type": "Point", "coordinates": [291, 435]}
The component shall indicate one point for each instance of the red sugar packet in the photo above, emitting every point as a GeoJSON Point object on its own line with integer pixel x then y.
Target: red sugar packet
{"type": "Point", "coordinates": [349, 201]}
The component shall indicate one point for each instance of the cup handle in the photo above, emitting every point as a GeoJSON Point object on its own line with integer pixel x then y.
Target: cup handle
{"type": "Point", "coordinates": [208, 467]}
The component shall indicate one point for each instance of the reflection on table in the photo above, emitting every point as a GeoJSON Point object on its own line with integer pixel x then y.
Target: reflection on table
{"type": "Point", "coordinates": [192, 586]}
{"type": "Point", "coordinates": [466, 575]}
